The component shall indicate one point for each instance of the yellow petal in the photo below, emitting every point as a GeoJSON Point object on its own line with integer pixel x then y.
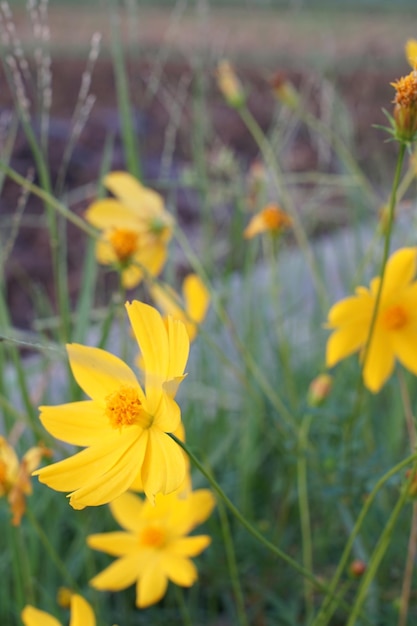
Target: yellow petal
{"type": "Point", "coordinates": [353, 310]}
{"type": "Point", "coordinates": [127, 511]}
{"type": "Point", "coordinates": [103, 488]}
{"type": "Point", "coordinates": [98, 372]}
{"type": "Point", "coordinates": [105, 253]}
{"type": "Point", "coordinates": [152, 256]}
{"type": "Point", "coordinates": [131, 276]}
{"type": "Point", "coordinates": [81, 612]}
{"type": "Point", "coordinates": [344, 342]}
{"type": "Point", "coordinates": [79, 423]}
{"type": "Point", "coordinates": [119, 575]}
{"type": "Point", "coordinates": [193, 510]}
{"type": "Point", "coordinates": [163, 469]}
{"type": "Point", "coordinates": [167, 300]}
{"type": "Point", "coordinates": [35, 617]}
{"type": "Point", "coordinates": [196, 296]}
{"type": "Point", "coordinates": [144, 201]}
{"type": "Point", "coordinates": [108, 214]}
{"type": "Point", "coordinates": [411, 52]}
{"type": "Point", "coordinates": [116, 543]}
{"type": "Point", "coordinates": [404, 345]}
{"type": "Point", "coordinates": [379, 362]}
{"type": "Point", "coordinates": [178, 569]}
{"type": "Point", "coordinates": [189, 546]}
{"type": "Point", "coordinates": [255, 227]}
{"type": "Point", "coordinates": [400, 270]}
{"type": "Point", "coordinates": [178, 348]}
{"type": "Point", "coordinates": [151, 587]}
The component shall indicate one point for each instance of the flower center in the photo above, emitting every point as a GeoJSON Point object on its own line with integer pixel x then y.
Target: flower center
{"type": "Point", "coordinates": [153, 537]}
{"type": "Point", "coordinates": [395, 318]}
{"type": "Point", "coordinates": [275, 219]}
{"type": "Point", "coordinates": [406, 88]}
{"type": "Point", "coordinates": [124, 243]}
{"type": "Point", "coordinates": [124, 408]}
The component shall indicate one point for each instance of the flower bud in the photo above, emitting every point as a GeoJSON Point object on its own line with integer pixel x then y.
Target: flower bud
{"type": "Point", "coordinates": [284, 91]}
{"type": "Point", "coordinates": [319, 389]}
{"type": "Point", "coordinates": [230, 85]}
{"type": "Point", "coordinates": [357, 568]}
{"type": "Point", "coordinates": [405, 109]}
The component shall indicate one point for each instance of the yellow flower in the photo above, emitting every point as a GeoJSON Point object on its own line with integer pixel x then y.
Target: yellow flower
{"type": "Point", "coordinates": [411, 52]}
{"type": "Point", "coordinates": [154, 548]}
{"type": "Point", "coordinates": [15, 476]}
{"type": "Point", "coordinates": [81, 614]}
{"type": "Point", "coordinates": [229, 84]}
{"type": "Point", "coordinates": [196, 301]}
{"type": "Point", "coordinates": [271, 219]}
{"type": "Point", "coordinates": [395, 331]}
{"type": "Point", "coordinates": [123, 428]}
{"type": "Point", "coordinates": [135, 228]}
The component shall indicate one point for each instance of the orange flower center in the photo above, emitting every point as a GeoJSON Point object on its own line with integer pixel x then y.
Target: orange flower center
{"type": "Point", "coordinates": [153, 537]}
{"type": "Point", "coordinates": [406, 88]}
{"type": "Point", "coordinates": [395, 318]}
{"type": "Point", "coordinates": [274, 218]}
{"type": "Point", "coordinates": [124, 243]}
{"type": "Point", "coordinates": [124, 408]}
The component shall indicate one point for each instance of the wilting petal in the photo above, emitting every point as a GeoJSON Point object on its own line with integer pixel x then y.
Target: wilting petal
{"type": "Point", "coordinates": [178, 569]}
{"type": "Point", "coordinates": [196, 296]}
{"type": "Point", "coordinates": [127, 510]}
{"type": "Point", "coordinates": [79, 423]}
{"type": "Point", "coordinates": [151, 587]}
{"type": "Point", "coordinates": [81, 612]}
{"type": "Point", "coordinates": [98, 372]}
{"type": "Point", "coordinates": [404, 346]}
{"type": "Point", "coordinates": [163, 469]}
{"type": "Point", "coordinates": [108, 214]}
{"type": "Point", "coordinates": [189, 546]}
{"type": "Point", "coordinates": [400, 270]}
{"type": "Point", "coordinates": [379, 362]}
{"type": "Point", "coordinates": [119, 575]}
{"type": "Point", "coordinates": [344, 342]}
{"type": "Point", "coordinates": [103, 488]}
{"type": "Point", "coordinates": [117, 543]}
{"type": "Point", "coordinates": [34, 617]}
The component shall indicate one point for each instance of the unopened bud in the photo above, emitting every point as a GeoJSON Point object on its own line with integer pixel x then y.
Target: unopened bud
{"type": "Point", "coordinates": [230, 85]}
{"type": "Point", "coordinates": [319, 389]}
{"type": "Point", "coordinates": [405, 109]}
{"type": "Point", "coordinates": [284, 91]}
{"type": "Point", "coordinates": [357, 568]}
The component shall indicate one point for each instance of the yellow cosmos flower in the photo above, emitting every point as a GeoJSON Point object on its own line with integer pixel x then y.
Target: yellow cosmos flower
{"type": "Point", "coordinates": [395, 331]}
{"type": "Point", "coordinates": [154, 548]}
{"type": "Point", "coordinates": [15, 476]}
{"type": "Point", "coordinates": [136, 228]}
{"type": "Point", "coordinates": [123, 428]}
{"type": "Point", "coordinates": [81, 614]}
{"type": "Point", "coordinates": [411, 52]}
{"type": "Point", "coordinates": [196, 300]}
{"type": "Point", "coordinates": [271, 219]}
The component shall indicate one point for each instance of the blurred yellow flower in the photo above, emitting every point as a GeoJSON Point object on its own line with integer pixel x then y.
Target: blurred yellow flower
{"type": "Point", "coordinates": [154, 548]}
{"type": "Point", "coordinates": [395, 331]}
{"type": "Point", "coordinates": [123, 427]}
{"type": "Point", "coordinates": [15, 477]}
{"type": "Point", "coordinates": [81, 614]}
{"type": "Point", "coordinates": [411, 52]}
{"type": "Point", "coordinates": [271, 219]}
{"type": "Point", "coordinates": [229, 84]}
{"type": "Point", "coordinates": [136, 228]}
{"type": "Point", "coordinates": [192, 311]}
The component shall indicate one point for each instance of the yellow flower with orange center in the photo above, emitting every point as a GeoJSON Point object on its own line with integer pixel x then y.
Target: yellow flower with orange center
{"type": "Point", "coordinates": [15, 476]}
{"type": "Point", "coordinates": [394, 335]}
{"type": "Point", "coordinates": [81, 614]}
{"type": "Point", "coordinates": [191, 310]}
{"type": "Point", "coordinates": [154, 547]}
{"type": "Point", "coordinates": [135, 228]}
{"type": "Point", "coordinates": [271, 219]}
{"type": "Point", "coordinates": [123, 427]}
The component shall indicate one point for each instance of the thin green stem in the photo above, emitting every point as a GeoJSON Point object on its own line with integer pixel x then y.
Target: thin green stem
{"type": "Point", "coordinates": [255, 533]}
{"type": "Point", "coordinates": [231, 562]}
{"type": "Point", "coordinates": [303, 505]}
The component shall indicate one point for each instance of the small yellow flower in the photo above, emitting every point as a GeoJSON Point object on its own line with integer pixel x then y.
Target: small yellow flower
{"type": "Point", "coordinates": [405, 109]}
{"type": "Point", "coordinates": [395, 331]}
{"type": "Point", "coordinates": [271, 219]}
{"type": "Point", "coordinates": [154, 547]}
{"type": "Point", "coordinates": [15, 477]}
{"type": "Point", "coordinates": [81, 614]}
{"type": "Point", "coordinates": [135, 227]}
{"type": "Point", "coordinates": [411, 52]}
{"type": "Point", "coordinates": [229, 84]}
{"type": "Point", "coordinates": [123, 428]}
{"type": "Point", "coordinates": [192, 310]}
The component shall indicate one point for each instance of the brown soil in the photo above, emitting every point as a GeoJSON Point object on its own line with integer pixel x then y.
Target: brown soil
{"type": "Point", "coordinates": [363, 88]}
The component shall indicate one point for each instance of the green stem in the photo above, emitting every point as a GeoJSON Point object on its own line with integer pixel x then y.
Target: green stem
{"type": "Point", "coordinates": [302, 486]}
{"type": "Point", "coordinates": [326, 611]}
{"type": "Point", "coordinates": [231, 562]}
{"type": "Point", "coordinates": [255, 533]}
